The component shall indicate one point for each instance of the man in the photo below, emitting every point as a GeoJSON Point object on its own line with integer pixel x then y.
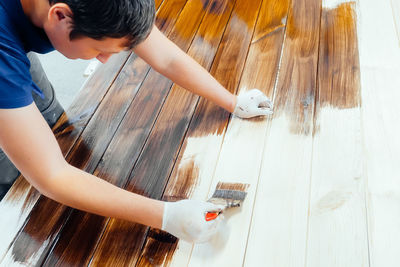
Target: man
{"type": "Point", "coordinates": [97, 29]}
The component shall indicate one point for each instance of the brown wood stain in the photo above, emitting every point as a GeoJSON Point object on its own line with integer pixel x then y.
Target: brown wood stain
{"type": "Point", "coordinates": [266, 48]}
{"type": "Point", "coordinates": [188, 173]}
{"type": "Point", "coordinates": [71, 124]}
{"type": "Point", "coordinates": [297, 81]}
{"type": "Point", "coordinates": [339, 68]}
{"type": "Point", "coordinates": [159, 249]}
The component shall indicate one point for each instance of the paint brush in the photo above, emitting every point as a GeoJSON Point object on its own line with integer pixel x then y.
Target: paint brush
{"type": "Point", "coordinates": [229, 195]}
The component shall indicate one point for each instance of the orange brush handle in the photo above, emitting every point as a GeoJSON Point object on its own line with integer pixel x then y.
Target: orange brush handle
{"type": "Point", "coordinates": [211, 216]}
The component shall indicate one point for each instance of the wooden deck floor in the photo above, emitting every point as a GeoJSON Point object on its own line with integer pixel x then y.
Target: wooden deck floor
{"type": "Point", "coordinates": [323, 170]}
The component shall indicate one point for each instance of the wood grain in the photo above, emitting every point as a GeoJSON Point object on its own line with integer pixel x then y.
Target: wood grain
{"type": "Point", "coordinates": [278, 232]}
{"type": "Point", "coordinates": [337, 197]}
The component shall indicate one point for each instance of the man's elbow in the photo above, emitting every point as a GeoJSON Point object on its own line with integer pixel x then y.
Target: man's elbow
{"type": "Point", "coordinates": [49, 180]}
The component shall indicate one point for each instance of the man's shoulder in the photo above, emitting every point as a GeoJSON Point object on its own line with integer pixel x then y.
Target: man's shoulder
{"type": "Point", "coordinates": [8, 33]}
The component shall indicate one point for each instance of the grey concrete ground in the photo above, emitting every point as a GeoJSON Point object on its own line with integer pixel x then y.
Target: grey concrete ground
{"type": "Point", "coordinates": [66, 75]}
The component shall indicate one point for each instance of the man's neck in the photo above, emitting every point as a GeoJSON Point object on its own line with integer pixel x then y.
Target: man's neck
{"type": "Point", "coordinates": [36, 11]}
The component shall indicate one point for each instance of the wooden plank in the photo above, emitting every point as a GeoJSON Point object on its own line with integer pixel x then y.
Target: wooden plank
{"type": "Point", "coordinates": [194, 169]}
{"type": "Point", "coordinates": [380, 82]}
{"type": "Point", "coordinates": [337, 219]}
{"type": "Point", "coordinates": [166, 137]}
{"type": "Point", "coordinates": [21, 198]}
{"type": "Point", "coordinates": [279, 222]}
{"type": "Point", "coordinates": [88, 149]}
{"type": "Point", "coordinates": [396, 16]}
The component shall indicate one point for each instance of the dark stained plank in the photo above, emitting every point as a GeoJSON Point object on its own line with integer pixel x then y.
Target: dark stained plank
{"type": "Point", "coordinates": [22, 197]}
{"type": "Point", "coordinates": [121, 155]}
{"type": "Point", "coordinates": [89, 148]}
{"type": "Point", "coordinates": [152, 170]}
{"type": "Point", "coordinates": [278, 233]}
{"type": "Point", "coordinates": [337, 198]}
{"type": "Point", "coordinates": [193, 171]}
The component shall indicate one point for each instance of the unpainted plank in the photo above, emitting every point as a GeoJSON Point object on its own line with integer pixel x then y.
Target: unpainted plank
{"type": "Point", "coordinates": [86, 154]}
{"type": "Point", "coordinates": [380, 83]}
{"type": "Point", "coordinates": [279, 223]}
{"type": "Point", "coordinates": [151, 173]}
{"type": "Point", "coordinates": [22, 197]}
{"type": "Point", "coordinates": [337, 219]}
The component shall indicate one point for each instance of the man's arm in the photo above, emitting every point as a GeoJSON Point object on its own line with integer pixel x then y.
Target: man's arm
{"type": "Point", "coordinates": [169, 60]}
{"type": "Point", "coordinates": [32, 147]}
{"type": "Point", "coordinates": [28, 141]}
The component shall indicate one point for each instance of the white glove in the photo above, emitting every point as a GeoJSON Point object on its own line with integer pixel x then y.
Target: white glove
{"type": "Point", "coordinates": [185, 219]}
{"type": "Point", "coordinates": [253, 103]}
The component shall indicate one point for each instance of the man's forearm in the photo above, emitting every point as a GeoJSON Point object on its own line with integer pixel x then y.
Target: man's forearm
{"type": "Point", "coordinates": [168, 59]}
{"type": "Point", "coordinates": [80, 190]}
{"type": "Point", "coordinates": [187, 73]}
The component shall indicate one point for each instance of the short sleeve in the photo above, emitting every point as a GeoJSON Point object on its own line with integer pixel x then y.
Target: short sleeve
{"type": "Point", "coordinates": [16, 83]}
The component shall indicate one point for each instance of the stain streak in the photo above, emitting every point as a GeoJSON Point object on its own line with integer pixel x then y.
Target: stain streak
{"type": "Point", "coordinates": [159, 249]}
{"type": "Point", "coordinates": [339, 68]}
{"type": "Point", "coordinates": [273, 30]}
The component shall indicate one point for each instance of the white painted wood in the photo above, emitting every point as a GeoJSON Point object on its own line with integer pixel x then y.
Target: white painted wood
{"type": "Point", "coordinates": [382, 150]}
{"type": "Point", "coordinates": [337, 234]}
{"type": "Point", "coordinates": [278, 231]}
{"type": "Point", "coordinates": [201, 153]}
{"type": "Point", "coordinates": [380, 83]}
{"type": "Point", "coordinates": [239, 161]}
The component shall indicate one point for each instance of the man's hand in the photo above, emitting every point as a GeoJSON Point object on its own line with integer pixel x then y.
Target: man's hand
{"type": "Point", "coordinates": [185, 219]}
{"type": "Point", "coordinates": [253, 103]}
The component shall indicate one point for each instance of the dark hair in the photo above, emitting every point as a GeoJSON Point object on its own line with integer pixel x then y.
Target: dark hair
{"type": "Point", "coordinates": [99, 19]}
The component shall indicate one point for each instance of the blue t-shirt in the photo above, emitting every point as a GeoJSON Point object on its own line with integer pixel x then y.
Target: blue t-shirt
{"type": "Point", "coordinates": [17, 37]}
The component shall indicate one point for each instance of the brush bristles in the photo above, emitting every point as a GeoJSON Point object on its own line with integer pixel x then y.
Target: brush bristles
{"type": "Point", "coordinates": [232, 186]}
{"type": "Point", "coordinates": [229, 194]}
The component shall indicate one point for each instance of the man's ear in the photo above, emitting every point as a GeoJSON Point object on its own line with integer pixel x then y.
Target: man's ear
{"type": "Point", "coordinates": [60, 15]}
